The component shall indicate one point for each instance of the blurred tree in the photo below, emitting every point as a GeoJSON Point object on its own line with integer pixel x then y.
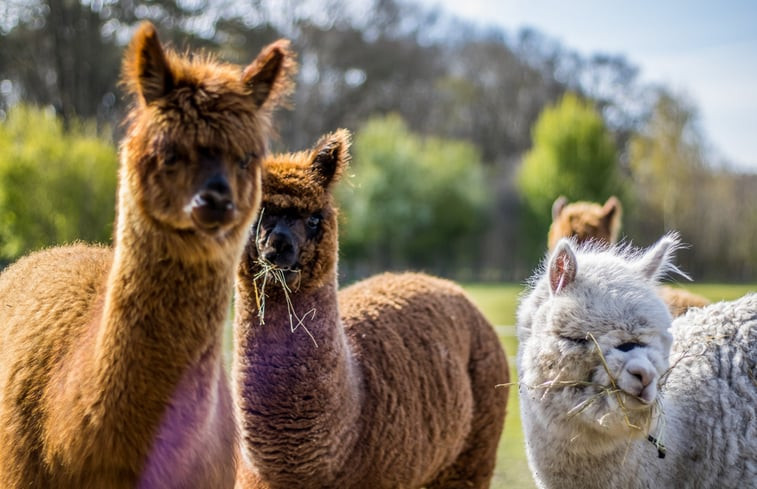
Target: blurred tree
{"type": "Point", "coordinates": [676, 189]}
{"type": "Point", "coordinates": [573, 154]}
{"type": "Point", "coordinates": [666, 157]}
{"type": "Point", "coordinates": [56, 185]}
{"type": "Point", "coordinates": [55, 53]}
{"type": "Point", "coordinates": [413, 202]}
{"type": "Point", "coordinates": [67, 53]}
{"type": "Point", "coordinates": [445, 77]}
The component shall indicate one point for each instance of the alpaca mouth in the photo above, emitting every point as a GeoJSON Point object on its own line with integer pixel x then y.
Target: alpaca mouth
{"type": "Point", "coordinates": [643, 399]}
{"type": "Point", "coordinates": [211, 224]}
{"type": "Point", "coordinates": [287, 276]}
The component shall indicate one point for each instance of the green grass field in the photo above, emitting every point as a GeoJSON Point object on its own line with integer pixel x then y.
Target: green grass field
{"type": "Point", "coordinates": [499, 303]}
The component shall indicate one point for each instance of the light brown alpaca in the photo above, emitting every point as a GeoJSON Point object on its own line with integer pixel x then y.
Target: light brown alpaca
{"type": "Point", "coordinates": [110, 360]}
{"type": "Point", "coordinates": [388, 384]}
{"type": "Point", "coordinates": [587, 221]}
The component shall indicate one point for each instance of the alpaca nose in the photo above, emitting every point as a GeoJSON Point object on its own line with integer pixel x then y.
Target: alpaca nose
{"type": "Point", "coordinates": [212, 206]}
{"type": "Point", "coordinates": [644, 374]}
{"type": "Point", "coordinates": [280, 247]}
{"type": "Point", "coordinates": [639, 378]}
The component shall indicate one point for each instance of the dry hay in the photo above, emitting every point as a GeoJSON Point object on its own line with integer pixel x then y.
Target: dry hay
{"type": "Point", "coordinates": [278, 278]}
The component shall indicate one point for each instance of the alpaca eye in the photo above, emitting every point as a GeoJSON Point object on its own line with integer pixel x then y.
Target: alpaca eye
{"type": "Point", "coordinates": [578, 341]}
{"type": "Point", "coordinates": [244, 161]}
{"type": "Point", "coordinates": [628, 346]}
{"type": "Point", "coordinates": [314, 221]}
{"type": "Point", "coordinates": [169, 159]}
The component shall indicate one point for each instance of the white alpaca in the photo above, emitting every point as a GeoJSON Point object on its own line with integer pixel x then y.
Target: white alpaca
{"type": "Point", "coordinates": [607, 403]}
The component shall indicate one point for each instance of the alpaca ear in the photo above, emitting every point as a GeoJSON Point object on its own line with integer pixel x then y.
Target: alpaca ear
{"type": "Point", "coordinates": [558, 206]}
{"type": "Point", "coordinates": [611, 213]}
{"type": "Point", "coordinates": [562, 267]}
{"type": "Point", "coordinates": [271, 76]}
{"type": "Point", "coordinates": [331, 156]}
{"type": "Point", "coordinates": [657, 260]}
{"type": "Point", "coordinates": [146, 68]}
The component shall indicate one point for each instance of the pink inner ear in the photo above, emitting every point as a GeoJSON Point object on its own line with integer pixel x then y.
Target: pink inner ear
{"type": "Point", "coordinates": [562, 271]}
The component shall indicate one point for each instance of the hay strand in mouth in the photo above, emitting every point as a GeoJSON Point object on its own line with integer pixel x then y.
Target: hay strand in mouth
{"type": "Point", "coordinates": [613, 383]}
{"type": "Point", "coordinates": [608, 390]}
{"type": "Point", "coordinates": [268, 269]}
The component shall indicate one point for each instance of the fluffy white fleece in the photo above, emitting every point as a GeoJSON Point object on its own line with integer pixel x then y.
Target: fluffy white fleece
{"type": "Point", "coordinates": [661, 406]}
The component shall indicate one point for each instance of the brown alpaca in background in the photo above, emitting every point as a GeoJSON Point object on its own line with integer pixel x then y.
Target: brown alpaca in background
{"type": "Point", "coordinates": [587, 221]}
{"type": "Point", "coordinates": [388, 384]}
{"type": "Point", "coordinates": [110, 360]}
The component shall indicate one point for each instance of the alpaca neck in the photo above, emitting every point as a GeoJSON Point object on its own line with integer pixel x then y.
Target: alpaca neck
{"type": "Point", "coordinates": [152, 352]}
{"type": "Point", "coordinates": [304, 379]}
{"type": "Point", "coordinates": [561, 459]}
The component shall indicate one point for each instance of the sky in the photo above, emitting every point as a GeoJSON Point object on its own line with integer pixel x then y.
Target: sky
{"type": "Point", "coordinates": [706, 50]}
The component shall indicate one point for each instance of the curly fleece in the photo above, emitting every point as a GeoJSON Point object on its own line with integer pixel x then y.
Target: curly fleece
{"type": "Point", "coordinates": [395, 389]}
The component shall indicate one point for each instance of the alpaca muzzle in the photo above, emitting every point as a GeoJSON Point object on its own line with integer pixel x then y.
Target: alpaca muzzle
{"type": "Point", "coordinates": [212, 207]}
{"type": "Point", "coordinates": [280, 248]}
{"type": "Point", "coordinates": [639, 379]}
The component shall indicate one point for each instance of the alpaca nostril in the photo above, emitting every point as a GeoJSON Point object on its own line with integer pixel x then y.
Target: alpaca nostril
{"type": "Point", "coordinates": [214, 201]}
{"type": "Point", "coordinates": [270, 256]}
{"type": "Point", "coordinates": [282, 246]}
{"type": "Point", "coordinates": [215, 194]}
{"type": "Point", "coordinates": [643, 375]}
{"type": "Point", "coordinates": [211, 209]}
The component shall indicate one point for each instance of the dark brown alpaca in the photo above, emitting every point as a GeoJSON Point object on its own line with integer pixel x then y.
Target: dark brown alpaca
{"type": "Point", "coordinates": [388, 384]}
{"type": "Point", "coordinates": [110, 360]}
{"type": "Point", "coordinates": [587, 221]}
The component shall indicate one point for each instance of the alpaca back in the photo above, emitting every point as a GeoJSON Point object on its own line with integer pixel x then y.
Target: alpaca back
{"type": "Point", "coordinates": [680, 300]}
{"type": "Point", "coordinates": [431, 363]}
{"type": "Point", "coordinates": [711, 397]}
{"type": "Point", "coordinates": [32, 350]}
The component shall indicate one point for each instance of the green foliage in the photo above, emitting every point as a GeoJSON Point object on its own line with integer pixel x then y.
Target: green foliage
{"type": "Point", "coordinates": [666, 157]}
{"type": "Point", "coordinates": [56, 185]}
{"type": "Point", "coordinates": [676, 189]}
{"type": "Point", "coordinates": [412, 200]}
{"type": "Point", "coordinates": [573, 154]}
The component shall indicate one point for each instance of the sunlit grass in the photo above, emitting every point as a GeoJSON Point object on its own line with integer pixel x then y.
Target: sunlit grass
{"type": "Point", "coordinates": [499, 303]}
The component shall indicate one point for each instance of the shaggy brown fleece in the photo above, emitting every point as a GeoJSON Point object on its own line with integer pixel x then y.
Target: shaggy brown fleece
{"type": "Point", "coordinates": [388, 384]}
{"type": "Point", "coordinates": [679, 300]}
{"type": "Point", "coordinates": [110, 360]}
{"type": "Point", "coordinates": [587, 221]}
